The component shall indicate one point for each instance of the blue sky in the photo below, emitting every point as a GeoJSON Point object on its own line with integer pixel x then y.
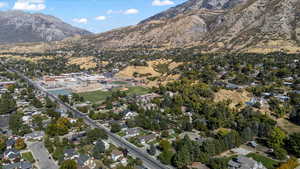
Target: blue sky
{"type": "Point", "coordinates": [93, 15]}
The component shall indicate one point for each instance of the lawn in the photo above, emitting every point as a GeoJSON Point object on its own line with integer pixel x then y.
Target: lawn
{"type": "Point", "coordinates": [267, 162]}
{"type": "Point", "coordinates": [120, 82]}
{"type": "Point", "coordinates": [98, 96]}
{"type": "Point", "coordinates": [28, 157]}
{"type": "Point", "coordinates": [95, 96]}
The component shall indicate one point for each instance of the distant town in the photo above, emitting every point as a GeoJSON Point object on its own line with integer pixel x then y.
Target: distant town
{"type": "Point", "coordinates": [95, 120]}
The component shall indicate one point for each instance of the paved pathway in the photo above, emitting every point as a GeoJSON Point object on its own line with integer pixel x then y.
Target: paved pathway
{"type": "Point", "coordinates": [41, 155]}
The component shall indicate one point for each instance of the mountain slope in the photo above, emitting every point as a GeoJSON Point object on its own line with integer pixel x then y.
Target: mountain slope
{"type": "Point", "coordinates": [213, 25]}
{"type": "Point", "coordinates": [18, 27]}
{"type": "Point", "coordinates": [209, 25]}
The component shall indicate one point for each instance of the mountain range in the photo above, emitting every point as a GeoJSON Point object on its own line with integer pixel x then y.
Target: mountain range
{"type": "Point", "coordinates": [19, 27]}
{"type": "Point", "coordinates": [210, 25]}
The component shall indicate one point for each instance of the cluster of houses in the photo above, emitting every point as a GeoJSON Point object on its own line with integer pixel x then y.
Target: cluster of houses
{"type": "Point", "coordinates": [85, 161]}
{"type": "Point", "coordinates": [12, 157]}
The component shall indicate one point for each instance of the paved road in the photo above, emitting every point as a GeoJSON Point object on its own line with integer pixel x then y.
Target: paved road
{"type": "Point", "coordinates": [41, 155]}
{"type": "Point", "coordinates": [148, 160]}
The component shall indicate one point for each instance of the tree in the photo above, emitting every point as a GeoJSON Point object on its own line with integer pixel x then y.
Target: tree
{"type": "Point", "coordinates": [293, 144]}
{"type": "Point", "coordinates": [165, 145]}
{"type": "Point", "coordinates": [290, 164]}
{"type": "Point", "coordinates": [7, 104]}
{"type": "Point", "coordinates": [98, 149]}
{"type": "Point", "coordinates": [95, 134]}
{"type": "Point", "coordinates": [64, 98]}
{"type": "Point", "coordinates": [152, 150]}
{"type": "Point", "coordinates": [115, 127]}
{"type": "Point", "coordinates": [218, 163]}
{"type": "Point", "coordinates": [12, 88]}
{"type": "Point", "coordinates": [68, 164]}
{"type": "Point", "coordinates": [48, 144]}
{"type": "Point", "coordinates": [2, 144]}
{"type": "Point", "coordinates": [49, 104]}
{"type": "Point", "coordinates": [38, 122]}
{"type": "Point", "coordinates": [166, 157]}
{"type": "Point", "coordinates": [52, 113]}
{"type": "Point", "coordinates": [36, 103]}
{"type": "Point", "coordinates": [276, 138]}
{"type": "Point", "coordinates": [182, 158]}
{"type": "Point", "coordinates": [17, 126]}
{"type": "Point", "coordinates": [280, 153]}
{"type": "Point", "coordinates": [20, 144]}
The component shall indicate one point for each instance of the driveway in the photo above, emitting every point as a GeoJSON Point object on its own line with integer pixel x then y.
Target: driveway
{"type": "Point", "coordinates": [41, 155]}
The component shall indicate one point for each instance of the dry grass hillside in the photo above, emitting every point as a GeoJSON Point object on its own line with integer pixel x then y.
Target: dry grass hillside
{"type": "Point", "coordinates": [237, 97]}
{"type": "Point", "coordinates": [153, 74]}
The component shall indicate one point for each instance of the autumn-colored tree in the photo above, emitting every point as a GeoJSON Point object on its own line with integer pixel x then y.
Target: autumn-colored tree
{"type": "Point", "coordinates": [292, 163]}
{"type": "Point", "coordinates": [20, 144]}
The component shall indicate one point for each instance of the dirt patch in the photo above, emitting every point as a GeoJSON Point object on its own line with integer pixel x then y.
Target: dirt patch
{"type": "Point", "coordinates": [235, 96]}
{"type": "Point", "coordinates": [274, 46]}
{"type": "Point", "coordinates": [287, 126]}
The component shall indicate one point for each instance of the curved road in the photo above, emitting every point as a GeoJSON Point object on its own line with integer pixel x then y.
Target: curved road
{"type": "Point", "coordinates": [148, 161]}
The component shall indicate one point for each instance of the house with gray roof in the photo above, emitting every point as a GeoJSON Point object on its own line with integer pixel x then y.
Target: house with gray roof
{"type": "Point", "coordinates": [37, 135]}
{"type": "Point", "coordinates": [70, 154]}
{"type": "Point", "coordinates": [19, 165]}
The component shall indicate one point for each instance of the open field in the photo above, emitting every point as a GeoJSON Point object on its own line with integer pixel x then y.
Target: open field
{"type": "Point", "coordinates": [98, 96]}
{"type": "Point", "coordinates": [235, 96]}
{"type": "Point", "coordinates": [28, 156]}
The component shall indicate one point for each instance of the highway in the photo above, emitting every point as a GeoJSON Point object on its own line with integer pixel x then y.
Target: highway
{"type": "Point", "coordinates": [148, 161]}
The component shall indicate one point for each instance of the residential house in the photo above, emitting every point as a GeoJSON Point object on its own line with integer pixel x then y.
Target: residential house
{"type": "Point", "coordinates": [116, 155]}
{"type": "Point", "coordinates": [147, 97]}
{"type": "Point", "coordinates": [36, 135]}
{"type": "Point", "coordinates": [233, 86]}
{"type": "Point", "coordinates": [84, 161]}
{"type": "Point", "coordinates": [70, 154]}
{"type": "Point", "coordinates": [253, 101]}
{"type": "Point", "coordinates": [10, 143]}
{"type": "Point", "coordinates": [106, 144]}
{"type": "Point", "coordinates": [147, 138]}
{"type": "Point", "coordinates": [132, 132]}
{"type": "Point", "coordinates": [11, 155]}
{"type": "Point", "coordinates": [283, 98]}
{"type": "Point", "coordinates": [129, 114]}
{"type": "Point", "coordinates": [19, 165]}
{"type": "Point", "coordinates": [26, 119]}
{"type": "Point", "coordinates": [242, 162]}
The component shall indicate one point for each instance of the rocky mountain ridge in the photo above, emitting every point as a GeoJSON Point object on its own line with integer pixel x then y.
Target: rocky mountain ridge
{"type": "Point", "coordinates": [19, 27]}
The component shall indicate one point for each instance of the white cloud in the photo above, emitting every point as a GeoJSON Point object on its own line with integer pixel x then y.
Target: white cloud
{"type": "Point", "coordinates": [101, 18]}
{"type": "Point", "coordinates": [30, 5]}
{"type": "Point", "coordinates": [109, 12]}
{"type": "Point", "coordinates": [162, 2]}
{"type": "Point", "coordinates": [81, 20]}
{"type": "Point", "coordinates": [3, 4]}
{"type": "Point", "coordinates": [131, 11]}
{"type": "Point", "coordinates": [124, 12]}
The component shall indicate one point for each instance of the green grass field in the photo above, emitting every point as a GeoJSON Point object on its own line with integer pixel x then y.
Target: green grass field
{"type": "Point", "coordinates": [28, 157]}
{"type": "Point", "coordinates": [98, 96]}
{"type": "Point", "coordinates": [267, 162]}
